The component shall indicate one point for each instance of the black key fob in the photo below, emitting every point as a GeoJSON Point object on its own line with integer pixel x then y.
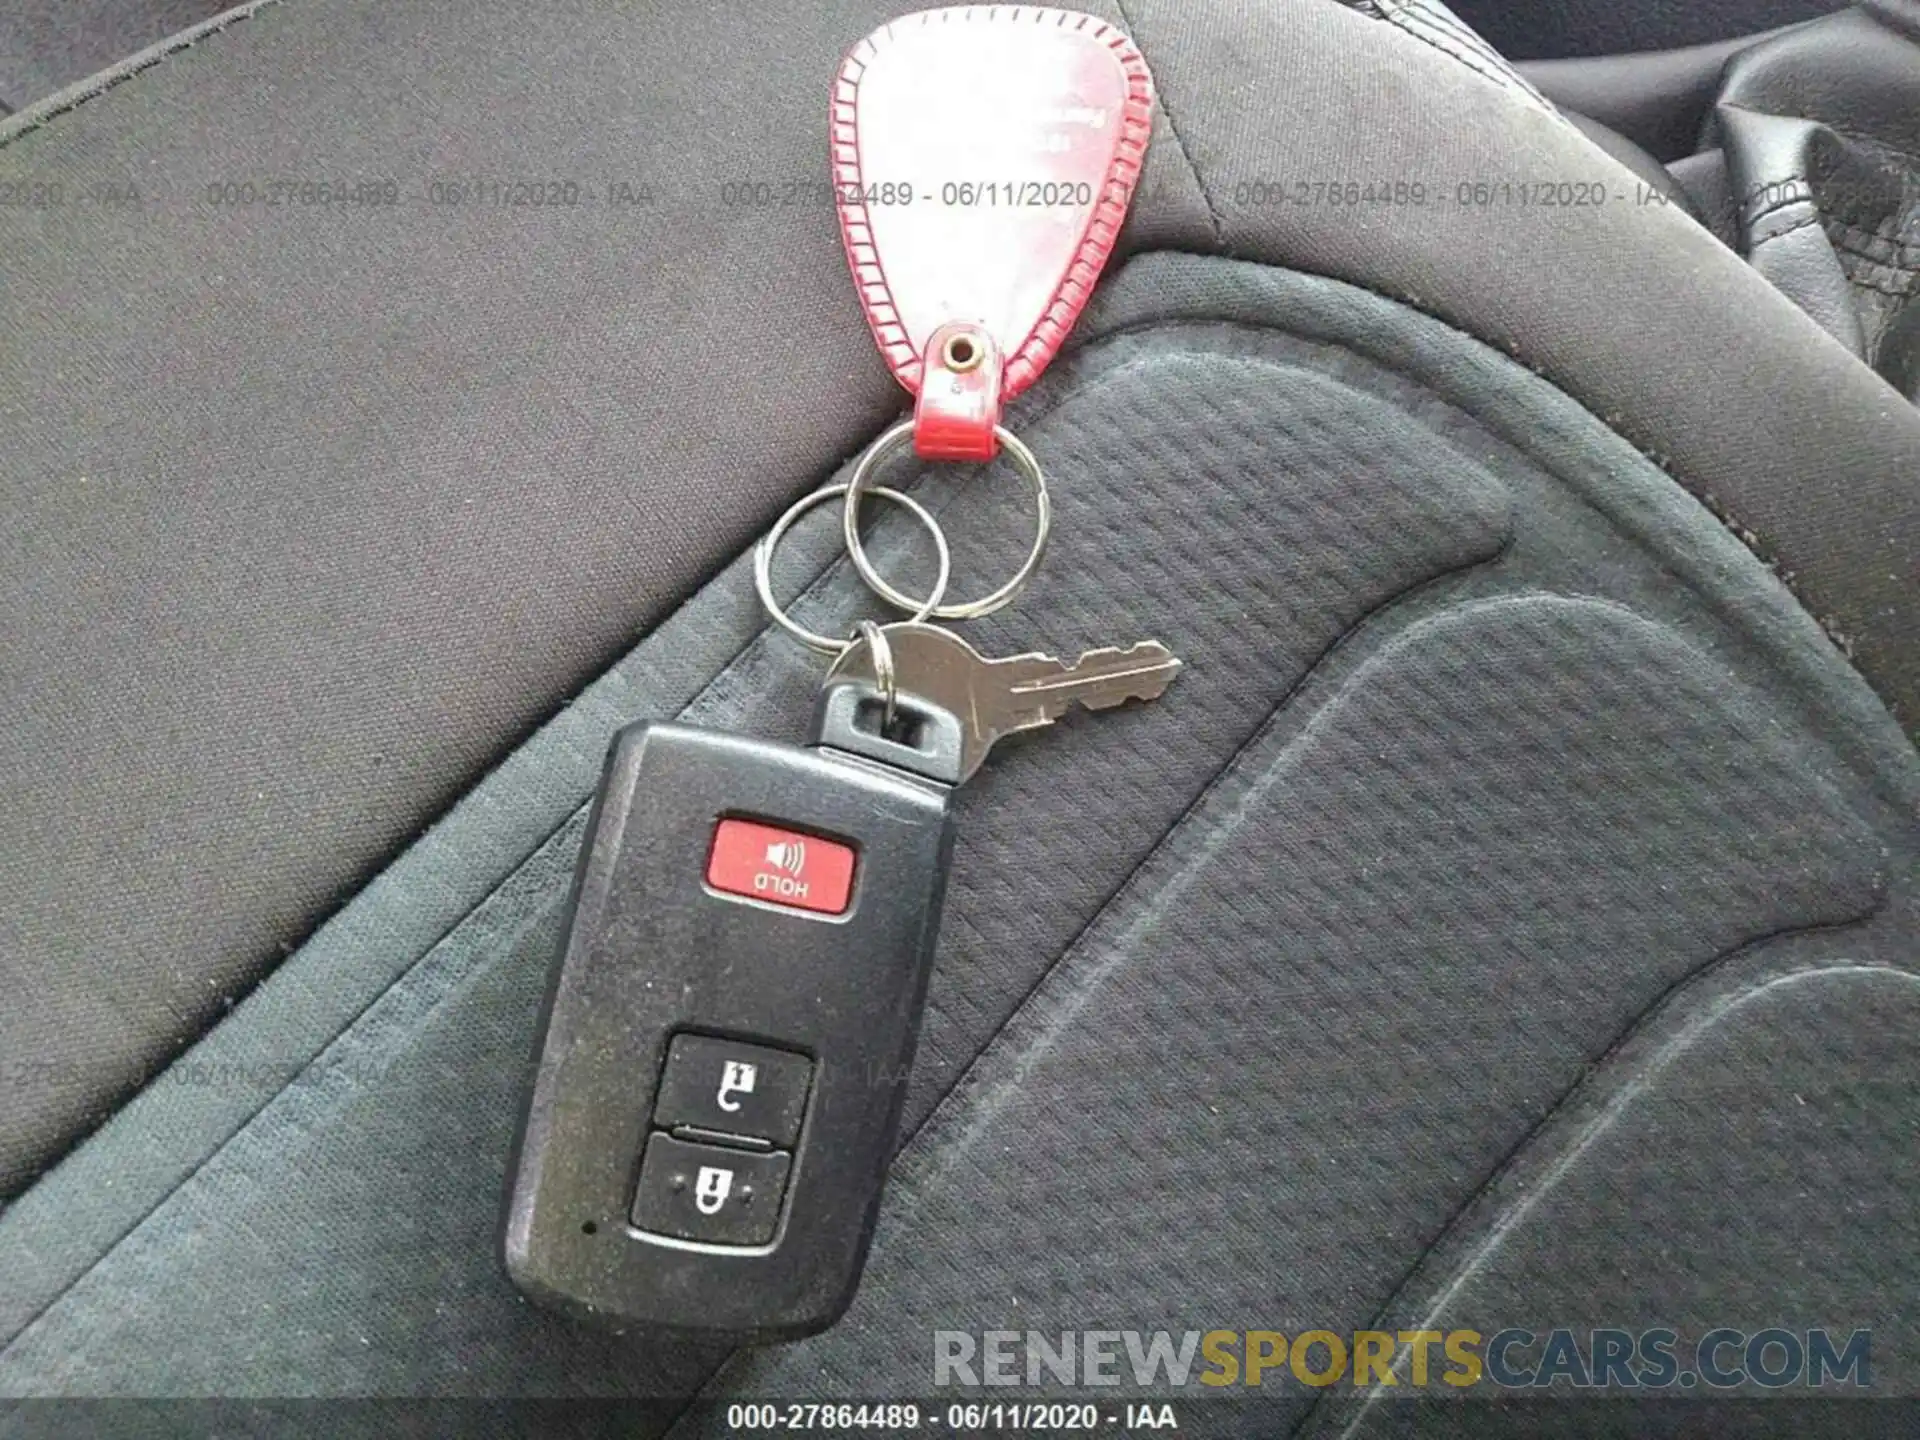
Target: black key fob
{"type": "Point", "coordinates": [731, 1021]}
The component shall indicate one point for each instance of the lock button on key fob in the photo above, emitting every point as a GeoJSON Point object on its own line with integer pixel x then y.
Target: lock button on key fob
{"type": "Point", "coordinates": [709, 1193]}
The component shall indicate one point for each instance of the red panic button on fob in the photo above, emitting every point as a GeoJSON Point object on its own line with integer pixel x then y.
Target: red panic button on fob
{"type": "Point", "coordinates": [782, 867]}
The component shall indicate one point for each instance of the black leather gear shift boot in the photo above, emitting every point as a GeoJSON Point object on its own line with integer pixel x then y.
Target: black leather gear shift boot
{"type": "Point", "coordinates": [1821, 131]}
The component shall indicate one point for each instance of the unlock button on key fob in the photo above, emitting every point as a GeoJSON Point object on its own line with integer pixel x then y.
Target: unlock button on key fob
{"type": "Point", "coordinates": [709, 1193]}
{"type": "Point", "coordinates": [729, 1088]}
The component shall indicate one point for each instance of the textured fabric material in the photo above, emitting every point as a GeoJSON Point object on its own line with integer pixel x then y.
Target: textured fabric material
{"type": "Point", "coordinates": [1489, 737]}
{"type": "Point", "coordinates": [316, 508]}
{"type": "Point", "coordinates": [1197, 477]}
{"type": "Point", "coordinates": [46, 45]}
{"type": "Point", "coordinates": [1688, 314]}
{"type": "Point", "coordinates": [1749, 1161]}
{"type": "Point", "coordinates": [1436, 25]}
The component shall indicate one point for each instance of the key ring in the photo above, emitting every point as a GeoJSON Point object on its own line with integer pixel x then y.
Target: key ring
{"type": "Point", "coordinates": [763, 564]}
{"type": "Point", "coordinates": [857, 487]}
{"type": "Point", "coordinates": [881, 649]}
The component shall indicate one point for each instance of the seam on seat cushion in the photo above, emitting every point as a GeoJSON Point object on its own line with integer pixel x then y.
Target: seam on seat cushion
{"type": "Point", "coordinates": [1749, 539]}
{"type": "Point", "coordinates": [1629, 1036]}
{"type": "Point", "coordinates": [65, 102]}
{"type": "Point", "coordinates": [1179, 144]}
{"type": "Point", "coordinates": [1123, 888]}
{"type": "Point", "coordinates": [1658, 1037]}
{"type": "Point", "coordinates": [1439, 27]}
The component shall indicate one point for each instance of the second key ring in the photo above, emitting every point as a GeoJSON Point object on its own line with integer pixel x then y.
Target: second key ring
{"type": "Point", "coordinates": [859, 486]}
{"type": "Point", "coordinates": [763, 564]}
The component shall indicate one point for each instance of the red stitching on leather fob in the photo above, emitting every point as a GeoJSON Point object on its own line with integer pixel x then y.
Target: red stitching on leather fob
{"type": "Point", "coordinates": [983, 158]}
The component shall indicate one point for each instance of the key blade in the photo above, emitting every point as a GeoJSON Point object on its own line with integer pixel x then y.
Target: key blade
{"type": "Point", "coordinates": [1099, 679]}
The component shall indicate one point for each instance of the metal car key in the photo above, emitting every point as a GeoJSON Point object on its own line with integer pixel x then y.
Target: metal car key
{"type": "Point", "coordinates": [995, 698]}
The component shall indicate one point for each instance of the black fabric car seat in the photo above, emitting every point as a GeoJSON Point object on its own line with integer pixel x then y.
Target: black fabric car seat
{"type": "Point", "coordinates": [1508, 918]}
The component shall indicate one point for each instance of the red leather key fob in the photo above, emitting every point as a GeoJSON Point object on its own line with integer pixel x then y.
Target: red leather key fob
{"type": "Point", "coordinates": [983, 157]}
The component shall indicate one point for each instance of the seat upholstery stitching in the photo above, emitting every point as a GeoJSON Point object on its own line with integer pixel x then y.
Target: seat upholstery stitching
{"type": "Point", "coordinates": [1446, 33]}
{"type": "Point", "coordinates": [34, 118]}
{"type": "Point", "coordinates": [1647, 1020]}
{"type": "Point", "coordinates": [1173, 128]}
